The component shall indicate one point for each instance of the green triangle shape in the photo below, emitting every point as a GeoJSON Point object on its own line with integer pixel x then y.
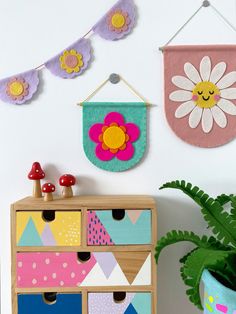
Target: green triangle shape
{"type": "Point", "coordinates": [30, 236]}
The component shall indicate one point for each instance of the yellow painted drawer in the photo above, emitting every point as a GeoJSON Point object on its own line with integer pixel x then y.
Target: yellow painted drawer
{"type": "Point", "coordinates": [48, 228]}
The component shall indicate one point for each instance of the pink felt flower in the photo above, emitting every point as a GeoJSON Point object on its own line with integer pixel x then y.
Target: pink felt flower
{"type": "Point", "coordinates": [114, 137]}
{"type": "Point", "coordinates": [118, 21]}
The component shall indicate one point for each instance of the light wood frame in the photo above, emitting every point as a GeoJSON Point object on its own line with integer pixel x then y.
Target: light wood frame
{"type": "Point", "coordinates": [85, 203]}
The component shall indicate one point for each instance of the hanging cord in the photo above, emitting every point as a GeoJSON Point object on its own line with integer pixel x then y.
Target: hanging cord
{"type": "Point", "coordinates": [205, 4]}
{"type": "Point", "coordinates": [224, 18]}
{"type": "Point", "coordinates": [181, 28]}
{"type": "Point", "coordinates": [114, 79]}
{"type": "Point", "coordinates": [41, 66]}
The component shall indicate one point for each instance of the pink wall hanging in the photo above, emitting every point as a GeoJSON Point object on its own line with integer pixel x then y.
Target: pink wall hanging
{"type": "Point", "coordinates": [200, 93]}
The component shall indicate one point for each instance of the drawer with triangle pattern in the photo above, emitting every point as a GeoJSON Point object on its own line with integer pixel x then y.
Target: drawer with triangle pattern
{"type": "Point", "coordinates": [83, 269]}
{"type": "Point", "coordinates": [119, 227]}
{"type": "Point", "coordinates": [119, 303]}
{"type": "Point", "coordinates": [50, 303]}
{"type": "Point", "coordinates": [48, 228]}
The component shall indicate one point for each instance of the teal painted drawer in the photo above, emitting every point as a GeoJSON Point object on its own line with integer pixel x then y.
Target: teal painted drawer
{"type": "Point", "coordinates": [50, 303]}
{"type": "Point", "coordinates": [119, 303]}
{"type": "Point", "coordinates": [119, 227]}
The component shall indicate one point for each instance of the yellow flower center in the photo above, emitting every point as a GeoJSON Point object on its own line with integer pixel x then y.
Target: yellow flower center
{"type": "Point", "coordinates": [118, 20]}
{"type": "Point", "coordinates": [206, 94]}
{"type": "Point", "coordinates": [16, 88]}
{"type": "Point", "coordinates": [114, 137]}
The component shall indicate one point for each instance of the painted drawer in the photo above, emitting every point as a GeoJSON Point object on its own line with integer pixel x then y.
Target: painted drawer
{"type": "Point", "coordinates": [118, 227]}
{"type": "Point", "coordinates": [71, 269]}
{"type": "Point", "coordinates": [48, 304]}
{"type": "Point", "coordinates": [48, 228]}
{"type": "Point", "coordinates": [119, 303]}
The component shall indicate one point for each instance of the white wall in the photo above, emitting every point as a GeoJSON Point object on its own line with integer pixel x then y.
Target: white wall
{"type": "Point", "coordinates": [33, 31]}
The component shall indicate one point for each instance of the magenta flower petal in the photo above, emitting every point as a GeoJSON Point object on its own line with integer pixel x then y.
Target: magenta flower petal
{"type": "Point", "coordinates": [102, 28]}
{"type": "Point", "coordinates": [83, 47]}
{"type": "Point", "coordinates": [114, 117]}
{"type": "Point", "coordinates": [133, 131]}
{"type": "Point", "coordinates": [95, 131]}
{"type": "Point", "coordinates": [127, 153]}
{"type": "Point", "coordinates": [104, 155]}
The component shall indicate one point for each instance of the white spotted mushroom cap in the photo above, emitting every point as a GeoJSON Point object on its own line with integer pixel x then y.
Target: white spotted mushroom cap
{"type": "Point", "coordinates": [48, 188]}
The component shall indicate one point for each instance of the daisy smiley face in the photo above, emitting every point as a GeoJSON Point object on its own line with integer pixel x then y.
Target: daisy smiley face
{"type": "Point", "coordinates": [206, 94]}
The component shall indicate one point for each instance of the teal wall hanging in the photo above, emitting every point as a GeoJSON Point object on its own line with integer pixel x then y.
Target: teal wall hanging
{"type": "Point", "coordinates": [114, 133]}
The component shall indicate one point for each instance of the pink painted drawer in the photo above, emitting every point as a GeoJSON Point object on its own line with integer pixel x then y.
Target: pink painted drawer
{"type": "Point", "coordinates": [71, 269]}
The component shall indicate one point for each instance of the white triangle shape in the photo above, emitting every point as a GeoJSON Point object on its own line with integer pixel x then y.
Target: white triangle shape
{"type": "Point", "coordinates": [95, 277]}
{"type": "Point", "coordinates": [143, 277]}
{"type": "Point", "coordinates": [117, 277]}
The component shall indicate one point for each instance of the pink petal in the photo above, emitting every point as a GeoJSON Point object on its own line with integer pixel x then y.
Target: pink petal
{"type": "Point", "coordinates": [95, 131]}
{"type": "Point", "coordinates": [104, 155]}
{"type": "Point", "coordinates": [127, 153]}
{"type": "Point", "coordinates": [114, 117]}
{"type": "Point", "coordinates": [133, 131]}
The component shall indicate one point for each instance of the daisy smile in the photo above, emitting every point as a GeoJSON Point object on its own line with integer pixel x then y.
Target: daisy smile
{"type": "Point", "coordinates": [206, 95]}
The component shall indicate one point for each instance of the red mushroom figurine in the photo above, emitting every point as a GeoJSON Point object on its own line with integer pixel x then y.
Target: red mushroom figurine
{"type": "Point", "coordinates": [36, 173]}
{"type": "Point", "coordinates": [67, 181]}
{"type": "Point", "coordinates": [48, 189]}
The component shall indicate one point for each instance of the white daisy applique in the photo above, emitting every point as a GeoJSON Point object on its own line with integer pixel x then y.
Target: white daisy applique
{"type": "Point", "coordinates": [205, 95]}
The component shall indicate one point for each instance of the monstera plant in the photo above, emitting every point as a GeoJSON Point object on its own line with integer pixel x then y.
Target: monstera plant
{"type": "Point", "coordinates": [216, 254]}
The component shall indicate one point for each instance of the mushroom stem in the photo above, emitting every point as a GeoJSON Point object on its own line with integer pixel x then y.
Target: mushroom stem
{"type": "Point", "coordinates": [48, 197]}
{"type": "Point", "coordinates": [67, 192]}
{"type": "Point", "coordinates": [37, 192]}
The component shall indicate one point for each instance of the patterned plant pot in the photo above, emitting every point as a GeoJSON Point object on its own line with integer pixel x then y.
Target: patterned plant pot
{"type": "Point", "coordinates": [217, 298]}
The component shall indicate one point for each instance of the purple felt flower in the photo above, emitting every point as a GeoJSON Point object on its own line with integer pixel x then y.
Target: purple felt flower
{"type": "Point", "coordinates": [118, 22]}
{"type": "Point", "coordinates": [19, 88]}
{"type": "Point", "coordinates": [72, 61]}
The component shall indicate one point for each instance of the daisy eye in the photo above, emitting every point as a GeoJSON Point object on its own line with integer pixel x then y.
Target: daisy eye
{"type": "Point", "coordinates": [200, 93]}
{"type": "Point", "coordinates": [211, 92]}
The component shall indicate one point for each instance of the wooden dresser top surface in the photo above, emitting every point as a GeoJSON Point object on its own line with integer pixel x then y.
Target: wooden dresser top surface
{"type": "Point", "coordinates": [87, 201]}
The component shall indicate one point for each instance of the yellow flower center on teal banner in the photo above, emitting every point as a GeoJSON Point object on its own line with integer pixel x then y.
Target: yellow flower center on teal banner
{"type": "Point", "coordinates": [114, 137]}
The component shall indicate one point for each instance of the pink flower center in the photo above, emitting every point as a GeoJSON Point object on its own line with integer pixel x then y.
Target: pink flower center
{"type": "Point", "coordinates": [71, 61]}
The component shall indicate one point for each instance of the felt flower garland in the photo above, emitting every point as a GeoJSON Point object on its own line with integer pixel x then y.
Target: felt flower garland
{"type": "Point", "coordinates": [74, 60]}
{"type": "Point", "coordinates": [118, 22]}
{"type": "Point", "coordinates": [19, 88]}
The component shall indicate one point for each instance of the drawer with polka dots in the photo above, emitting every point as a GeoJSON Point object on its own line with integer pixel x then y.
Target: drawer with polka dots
{"type": "Point", "coordinates": [48, 228]}
{"type": "Point", "coordinates": [71, 253]}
